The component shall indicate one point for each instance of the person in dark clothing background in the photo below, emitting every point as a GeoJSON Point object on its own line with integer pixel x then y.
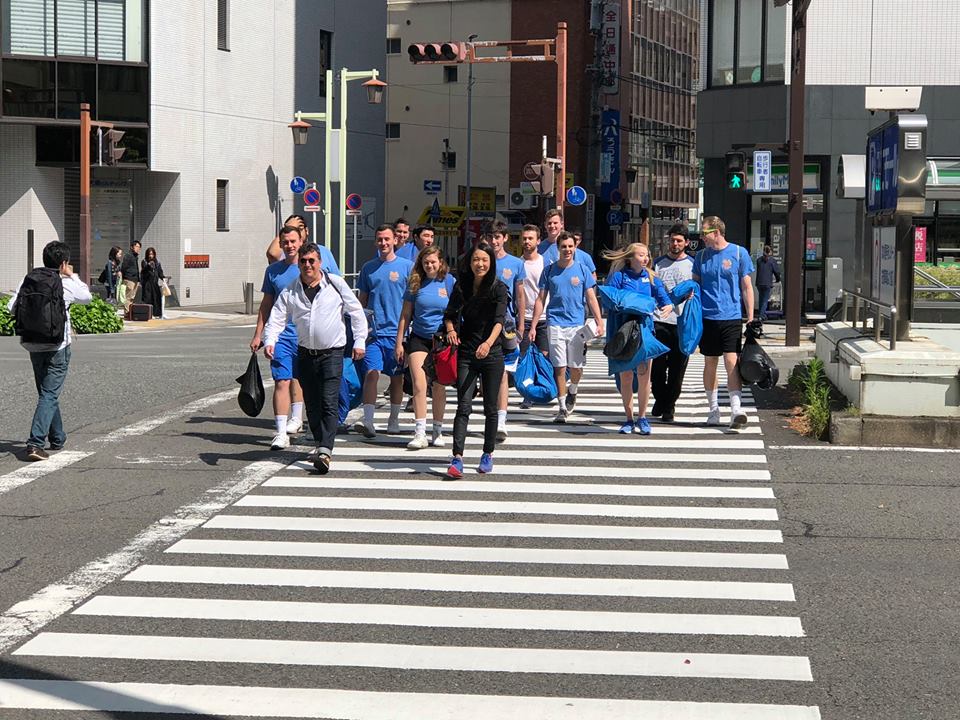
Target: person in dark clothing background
{"type": "Point", "coordinates": [151, 273]}
{"type": "Point", "coordinates": [473, 322]}
{"type": "Point", "coordinates": [130, 273]}
{"type": "Point", "coordinates": [111, 272]}
{"type": "Point", "coordinates": [768, 272]}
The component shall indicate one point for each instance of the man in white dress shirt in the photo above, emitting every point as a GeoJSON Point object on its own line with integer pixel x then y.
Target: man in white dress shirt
{"type": "Point", "coordinates": [316, 303]}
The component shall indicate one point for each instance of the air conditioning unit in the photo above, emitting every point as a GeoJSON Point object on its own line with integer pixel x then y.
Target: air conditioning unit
{"type": "Point", "coordinates": [520, 200]}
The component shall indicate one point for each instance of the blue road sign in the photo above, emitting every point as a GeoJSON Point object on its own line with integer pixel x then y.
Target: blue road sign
{"type": "Point", "coordinates": [354, 201]}
{"type": "Point", "coordinates": [435, 210]}
{"type": "Point", "coordinates": [298, 185]}
{"type": "Point", "coordinates": [431, 187]}
{"type": "Point", "coordinates": [576, 195]}
{"type": "Point", "coordinates": [614, 218]}
{"type": "Point", "coordinates": [311, 197]}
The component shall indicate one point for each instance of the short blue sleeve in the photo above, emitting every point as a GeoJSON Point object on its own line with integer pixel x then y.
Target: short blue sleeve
{"type": "Point", "coordinates": [746, 264]}
{"type": "Point", "coordinates": [588, 281]}
{"type": "Point", "coordinates": [696, 264]}
{"type": "Point", "coordinates": [267, 287]}
{"type": "Point", "coordinates": [545, 278]}
{"type": "Point", "coordinates": [660, 293]}
{"type": "Point", "coordinates": [587, 260]}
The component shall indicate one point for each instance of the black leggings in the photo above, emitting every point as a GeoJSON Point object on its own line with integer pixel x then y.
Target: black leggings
{"type": "Point", "coordinates": [490, 372]}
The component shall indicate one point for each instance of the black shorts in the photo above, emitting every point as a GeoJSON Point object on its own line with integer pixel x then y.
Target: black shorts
{"type": "Point", "coordinates": [415, 343]}
{"type": "Point", "coordinates": [721, 336]}
{"type": "Point", "coordinates": [541, 340]}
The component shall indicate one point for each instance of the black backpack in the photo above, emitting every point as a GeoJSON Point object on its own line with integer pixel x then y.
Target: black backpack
{"type": "Point", "coordinates": [40, 314]}
{"type": "Point", "coordinates": [625, 342]}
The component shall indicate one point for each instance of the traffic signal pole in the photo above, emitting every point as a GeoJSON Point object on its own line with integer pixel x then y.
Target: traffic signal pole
{"type": "Point", "coordinates": [561, 60]}
{"type": "Point", "coordinates": [83, 264]}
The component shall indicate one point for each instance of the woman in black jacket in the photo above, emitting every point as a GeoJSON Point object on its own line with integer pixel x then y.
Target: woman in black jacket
{"type": "Point", "coordinates": [151, 273]}
{"type": "Point", "coordinates": [477, 307]}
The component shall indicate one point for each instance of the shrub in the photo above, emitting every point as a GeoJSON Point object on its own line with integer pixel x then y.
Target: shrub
{"type": "Point", "coordinates": [6, 319]}
{"type": "Point", "coordinates": [95, 318]}
{"type": "Point", "coordinates": [948, 275]}
{"type": "Point", "coordinates": [809, 383]}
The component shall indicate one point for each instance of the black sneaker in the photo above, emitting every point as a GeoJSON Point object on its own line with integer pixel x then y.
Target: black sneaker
{"type": "Point", "coordinates": [35, 454]}
{"type": "Point", "coordinates": [321, 463]}
{"type": "Point", "coordinates": [570, 402]}
{"type": "Point", "coordinates": [657, 411]}
{"type": "Point", "coordinates": [667, 415]}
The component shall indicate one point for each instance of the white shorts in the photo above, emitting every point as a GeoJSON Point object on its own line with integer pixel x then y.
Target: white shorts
{"type": "Point", "coordinates": [568, 345]}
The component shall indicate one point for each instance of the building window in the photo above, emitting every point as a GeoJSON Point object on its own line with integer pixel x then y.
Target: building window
{"type": "Point", "coordinates": [29, 88]}
{"type": "Point", "coordinates": [393, 46]}
{"type": "Point", "coordinates": [393, 131]}
{"type": "Point", "coordinates": [223, 25]}
{"type": "Point", "coordinates": [449, 73]}
{"type": "Point", "coordinates": [326, 59]}
{"type": "Point", "coordinates": [748, 42]}
{"type": "Point", "coordinates": [223, 206]}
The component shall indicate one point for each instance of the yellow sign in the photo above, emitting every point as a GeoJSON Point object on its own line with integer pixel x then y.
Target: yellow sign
{"type": "Point", "coordinates": [568, 181]}
{"type": "Point", "coordinates": [451, 217]}
{"type": "Point", "coordinates": [482, 199]}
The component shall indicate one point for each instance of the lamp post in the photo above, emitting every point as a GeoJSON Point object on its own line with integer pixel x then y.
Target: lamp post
{"type": "Point", "coordinates": [300, 128]}
{"type": "Point", "coordinates": [469, 134]}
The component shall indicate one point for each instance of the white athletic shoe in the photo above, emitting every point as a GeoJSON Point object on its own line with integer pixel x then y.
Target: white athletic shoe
{"type": "Point", "coordinates": [738, 420]}
{"type": "Point", "coordinates": [501, 434]}
{"type": "Point", "coordinates": [280, 442]}
{"type": "Point", "coordinates": [419, 442]}
{"type": "Point", "coordinates": [366, 430]}
{"type": "Point", "coordinates": [437, 439]}
{"type": "Point", "coordinates": [713, 418]}
{"type": "Point", "coordinates": [393, 426]}
{"type": "Point", "coordinates": [294, 426]}
{"type": "Point", "coordinates": [561, 416]}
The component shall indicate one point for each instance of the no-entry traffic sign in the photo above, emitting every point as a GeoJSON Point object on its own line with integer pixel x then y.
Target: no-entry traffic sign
{"type": "Point", "coordinates": [354, 201]}
{"type": "Point", "coordinates": [311, 197]}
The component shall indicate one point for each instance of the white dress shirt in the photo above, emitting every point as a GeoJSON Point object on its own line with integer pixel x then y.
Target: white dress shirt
{"type": "Point", "coordinates": [319, 323]}
{"type": "Point", "coordinates": [74, 292]}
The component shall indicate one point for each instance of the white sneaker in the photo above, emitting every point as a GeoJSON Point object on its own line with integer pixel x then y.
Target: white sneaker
{"type": "Point", "coordinates": [393, 426]}
{"type": "Point", "coordinates": [419, 442]}
{"type": "Point", "coordinates": [294, 426]}
{"type": "Point", "coordinates": [437, 439]}
{"type": "Point", "coordinates": [354, 416]}
{"type": "Point", "coordinates": [561, 416]}
{"type": "Point", "coordinates": [366, 430]}
{"type": "Point", "coordinates": [280, 442]}
{"type": "Point", "coordinates": [738, 420]}
{"type": "Point", "coordinates": [713, 418]}
{"type": "Point", "coordinates": [501, 434]}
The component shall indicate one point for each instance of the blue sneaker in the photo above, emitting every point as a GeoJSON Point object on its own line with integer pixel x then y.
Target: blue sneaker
{"type": "Point", "coordinates": [642, 427]}
{"type": "Point", "coordinates": [626, 428]}
{"type": "Point", "coordinates": [456, 468]}
{"type": "Point", "coordinates": [486, 463]}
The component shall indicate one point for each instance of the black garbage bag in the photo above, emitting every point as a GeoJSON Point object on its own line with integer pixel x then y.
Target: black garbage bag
{"type": "Point", "coordinates": [755, 366]}
{"type": "Point", "coordinates": [251, 394]}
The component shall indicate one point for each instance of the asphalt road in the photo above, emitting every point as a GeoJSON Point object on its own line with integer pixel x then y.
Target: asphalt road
{"type": "Point", "coordinates": [870, 538]}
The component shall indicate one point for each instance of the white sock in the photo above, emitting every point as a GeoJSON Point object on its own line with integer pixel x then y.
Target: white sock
{"type": "Point", "coordinates": [571, 388]}
{"type": "Point", "coordinates": [438, 427]}
{"type": "Point", "coordinates": [420, 426]}
{"type": "Point", "coordinates": [281, 421]}
{"type": "Point", "coordinates": [395, 412]}
{"type": "Point", "coordinates": [712, 399]}
{"type": "Point", "coordinates": [296, 411]}
{"type": "Point", "coordinates": [501, 418]}
{"type": "Point", "coordinates": [734, 402]}
{"type": "Point", "coordinates": [368, 414]}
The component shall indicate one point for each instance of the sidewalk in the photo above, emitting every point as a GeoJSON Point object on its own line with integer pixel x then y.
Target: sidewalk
{"type": "Point", "coordinates": [199, 316]}
{"type": "Point", "coordinates": [775, 336]}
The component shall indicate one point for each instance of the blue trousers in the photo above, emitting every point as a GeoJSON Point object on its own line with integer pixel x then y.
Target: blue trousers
{"type": "Point", "coordinates": [49, 373]}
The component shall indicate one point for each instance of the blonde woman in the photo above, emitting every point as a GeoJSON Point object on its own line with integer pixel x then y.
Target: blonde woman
{"type": "Point", "coordinates": [428, 293]}
{"type": "Point", "coordinates": [631, 270]}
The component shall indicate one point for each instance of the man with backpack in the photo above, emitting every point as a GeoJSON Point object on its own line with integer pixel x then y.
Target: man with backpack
{"type": "Point", "coordinates": [40, 308]}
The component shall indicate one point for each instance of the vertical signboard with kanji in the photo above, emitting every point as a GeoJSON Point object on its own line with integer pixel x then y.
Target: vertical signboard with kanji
{"type": "Point", "coordinates": [610, 48]}
{"type": "Point", "coordinates": [609, 153]}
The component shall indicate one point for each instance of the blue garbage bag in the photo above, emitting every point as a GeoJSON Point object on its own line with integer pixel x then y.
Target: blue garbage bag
{"type": "Point", "coordinates": [623, 305]}
{"type": "Point", "coordinates": [534, 377]}
{"type": "Point", "coordinates": [351, 389]}
{"type": "Point", "coordinates": [690, 321]}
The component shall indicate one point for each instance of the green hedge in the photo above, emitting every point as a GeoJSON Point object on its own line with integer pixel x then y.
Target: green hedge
{"type": "Point", "coordinates": [93, 319]}
{"type": "Point", "coordinates": [949, 275]}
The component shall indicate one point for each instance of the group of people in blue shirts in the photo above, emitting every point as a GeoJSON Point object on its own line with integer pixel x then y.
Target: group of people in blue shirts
{"type": "Point", "coordinates": [498, 306]}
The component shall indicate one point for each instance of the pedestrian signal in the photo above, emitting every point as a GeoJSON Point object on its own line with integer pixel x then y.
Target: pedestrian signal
{"type": "Point", "coordinates": [736, 171]}
{"type": "Point", "coordinates": [736, 181]}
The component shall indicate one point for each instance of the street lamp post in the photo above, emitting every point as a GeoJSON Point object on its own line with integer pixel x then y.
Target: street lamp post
{"type": "Point", "coordinates": [469, 132]}
{"type": "Point", "coordinates": [300, 127]}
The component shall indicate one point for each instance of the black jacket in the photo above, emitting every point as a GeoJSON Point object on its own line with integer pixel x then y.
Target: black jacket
{"type": "Point", "coordinates": [768, 272]}
{"type": "Point", "coordinates": [130, 267]}
{"type": "Point", "coordinates": [474, 317]}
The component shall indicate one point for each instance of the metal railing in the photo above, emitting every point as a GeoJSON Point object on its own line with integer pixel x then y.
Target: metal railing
{"type": "Point", "coordinates": [878, 316]}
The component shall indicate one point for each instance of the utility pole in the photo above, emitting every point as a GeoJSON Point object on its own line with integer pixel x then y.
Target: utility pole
{"type": "Point", "coordinates": [469, 132]}
{"type": "Point", "coordinates": [446, 171]}
{"type": "Point", "coordinates": [795, 236]}
{"type": "Point", "coordinates": [83, 266]}
{"type": "Point", "coordinates": [561, 51]}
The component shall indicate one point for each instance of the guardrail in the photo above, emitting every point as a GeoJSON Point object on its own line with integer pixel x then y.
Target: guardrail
{"type": "Point", "coordinates": [877, 317]}
{"type": "Point", "coordinates": [935, 284]}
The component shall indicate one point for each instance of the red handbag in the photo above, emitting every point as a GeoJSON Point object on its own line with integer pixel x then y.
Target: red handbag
{"type": "Point", "coordinates": [445, 364]}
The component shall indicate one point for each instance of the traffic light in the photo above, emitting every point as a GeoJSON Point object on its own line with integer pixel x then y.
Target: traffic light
{"type": "Point", "coordinates": [736, 171]}
{"type": "Point", "coordinates": [112, 152]}
{"type": "Point", "coordinates": [542, 176]}
{"type": "Point", "coordinates": [441, 53]}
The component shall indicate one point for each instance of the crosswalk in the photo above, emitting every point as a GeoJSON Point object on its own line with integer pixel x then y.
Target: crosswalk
{"type": "Point", "coordinates": [592, 576]}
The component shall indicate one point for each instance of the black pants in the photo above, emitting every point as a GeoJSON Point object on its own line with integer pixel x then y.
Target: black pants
{"type": "Point", "coordinates": [490, 372]}
{"type": "Point", "coordinates": [668, 369]}
{"type": "Point", "coordinates": [320, 374]}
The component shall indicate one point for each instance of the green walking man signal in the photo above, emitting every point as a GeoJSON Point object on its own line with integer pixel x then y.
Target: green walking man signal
{"type": "Point", "coordinates": [736, 181]}
{"type": "Point", "coordinates": [736, 171]}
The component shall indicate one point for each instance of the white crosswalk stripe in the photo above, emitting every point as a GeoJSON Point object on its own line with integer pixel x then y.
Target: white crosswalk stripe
{"type": "Point", "coordinates": [588, 560]}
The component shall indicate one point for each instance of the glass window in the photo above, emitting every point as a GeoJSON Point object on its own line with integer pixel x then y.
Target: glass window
{"type": "Point", "coordinates": [774, 67]}
{"type": "Point", "coordinates": [28, 27]}
{"type": "Point", "coordinates": [723, 20]}
{"type": "Point", "coordinates": [393, 131]}
{"type": "Point", "coordinates": [29, 88]}
{"type": "Point", "coordinates": [223, 25]}
{"type": "Point", "coordinates": [76, 20]}
{"type": "Point", "coordinates": [223, 200]}
{"type": "Point", "coordinates": [326, 59]}
{"type": "Point", "coordinates": [123, 94]}
{"type": "Point", "coordinates": [393, 46]}
{"type": "Point", "coordinates": [450, 73]}
{"type": "Point", "coordinates": [135, 31]}
{"type": "Point", "coordinates": [748, 48]}
{"type": "Point", "coordinates": [136, 141]}
{"type": "Point", "coordinates": [76, 83]}
{"type": "Point", "coordinates": [110, 33]}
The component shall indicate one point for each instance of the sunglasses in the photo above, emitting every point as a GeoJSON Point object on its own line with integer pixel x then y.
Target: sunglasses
{"type": "Point", "coordinates": [709, 232]}
{"type": "Point", "coordinates": [309, 261]}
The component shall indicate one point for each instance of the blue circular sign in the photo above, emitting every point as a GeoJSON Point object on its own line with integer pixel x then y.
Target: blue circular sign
{"type": "Point", "coordinates": [576, 195]}
{"type": "Point", "coordinates": [298, 185]}
{"type": "Point", "coordinates": [614, 218]}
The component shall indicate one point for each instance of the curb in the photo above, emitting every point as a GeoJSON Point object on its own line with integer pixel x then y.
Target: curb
{"type": "Point", "coordinates": [889, 431]}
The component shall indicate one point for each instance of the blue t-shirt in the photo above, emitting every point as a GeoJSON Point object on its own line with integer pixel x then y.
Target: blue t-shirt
{"type": "Point", "coordinates": [545, 245]}
{"type": "Point", "coordinates": [627, 279]}
{"type": "Point", "coordinates": [327, 261]}
{"type": "Point", "coordinates": [720, 272]}
{"type": "Point", "coordinates": [385, 283]}
{"type": "Point", "coordinates": [429, 304]}
{"type": "Point", "coordinates": [581, 256]}
{"type": "Point", "coordinates": [409, 251]}
{"type": "Point", "coordinates": [276, 278]}
{"type": "Point", "coordinates": [567, 288]}
{"type": "Point", "coordinates": [510, 271]}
